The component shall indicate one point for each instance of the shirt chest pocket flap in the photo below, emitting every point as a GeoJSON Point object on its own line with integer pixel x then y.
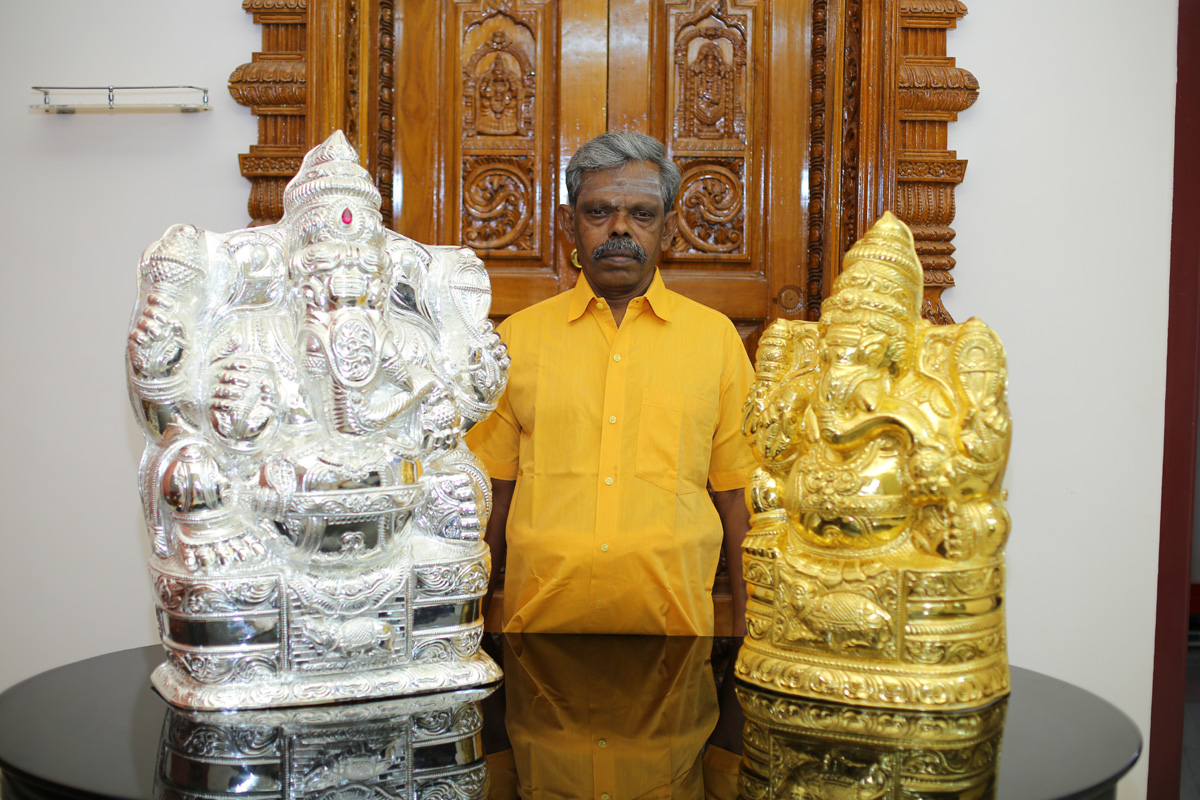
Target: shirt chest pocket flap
{"type": "Point", "coordinates": [674, 443]}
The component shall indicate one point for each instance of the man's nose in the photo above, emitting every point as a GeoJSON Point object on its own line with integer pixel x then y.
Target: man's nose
{"type": "Point", "coordinates": [620, 225]}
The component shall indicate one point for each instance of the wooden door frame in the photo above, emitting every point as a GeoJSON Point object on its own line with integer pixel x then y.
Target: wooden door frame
{"type": "Point", "coordinates": [1179, 425]}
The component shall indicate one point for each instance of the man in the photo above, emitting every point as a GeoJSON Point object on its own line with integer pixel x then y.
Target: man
{"type": "Point", "coordinates": [624, 403]}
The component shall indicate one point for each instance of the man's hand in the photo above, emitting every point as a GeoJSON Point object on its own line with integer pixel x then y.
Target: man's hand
{"type": "Point", "coordinates": [735, 521]}
{"type": "Point", "coordinates": [502, 494]}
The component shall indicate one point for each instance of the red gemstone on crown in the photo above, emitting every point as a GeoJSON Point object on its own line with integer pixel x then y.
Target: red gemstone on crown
{"type": "Point", "coordinates": [347, 217]}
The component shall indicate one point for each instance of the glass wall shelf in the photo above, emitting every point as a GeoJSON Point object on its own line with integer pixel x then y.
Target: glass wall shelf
{"type": "Point", "coordinates": [133, 103]}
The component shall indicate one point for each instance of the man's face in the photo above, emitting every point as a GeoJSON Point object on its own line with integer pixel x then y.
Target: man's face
{"type": "Point", "coordinates": [620, 228]}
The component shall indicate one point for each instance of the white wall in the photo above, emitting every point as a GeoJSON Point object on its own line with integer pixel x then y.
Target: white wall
{"type": "Point", "coordinates": [82, 196]}
{"type": "Point", "coordinates": [1063, 247]}
{"type": "Point", "coordinates": [1063, 237]}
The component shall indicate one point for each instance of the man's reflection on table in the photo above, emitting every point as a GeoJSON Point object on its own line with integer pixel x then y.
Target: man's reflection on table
{"type": "Point", "coordinates": [616, 718]}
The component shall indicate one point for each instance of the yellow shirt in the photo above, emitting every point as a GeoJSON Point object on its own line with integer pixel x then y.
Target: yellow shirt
{"type": "Point", "coordinates": [611, 436]}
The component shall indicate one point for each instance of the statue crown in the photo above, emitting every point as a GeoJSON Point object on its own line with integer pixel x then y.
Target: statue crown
{"type": "Point", "coordinates": [881, 276]}
{"type": "Point", "coordinates": [330, 171]}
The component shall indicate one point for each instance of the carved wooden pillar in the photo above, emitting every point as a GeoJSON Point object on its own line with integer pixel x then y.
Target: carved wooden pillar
{"type": "Point", "coordinates": [325, 65]}
{"type": "Point", "coordinates": [932, 91]}
{"type": "Point", "coordinates": [273, 86]}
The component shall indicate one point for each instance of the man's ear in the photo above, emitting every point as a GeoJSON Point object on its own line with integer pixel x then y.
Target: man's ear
{"type": "Point", "coordinates": [566, 221]}
{"type": "Point", "coordinates": [670, 225]}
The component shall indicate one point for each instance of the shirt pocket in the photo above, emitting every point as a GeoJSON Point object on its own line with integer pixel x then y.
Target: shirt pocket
{"type": "Point", "coordinates": [674, 442]}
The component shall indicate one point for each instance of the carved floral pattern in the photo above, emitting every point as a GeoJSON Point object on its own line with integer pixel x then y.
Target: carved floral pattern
{"type": "Point", "coordinates": [498, 202]}
{"type": "Point", "coordinates": [936, 88]}
{"type": "Point", "coordinates": [452, 579]}
{"type": "Point", "coordinates": [206, 597]}
{"type": "Point", "coordinates": [953, 8]}
{"type": "Point", "coordinates": [712, 217]}
{"type": "Point", "coordinates": [817, 139]}
{"type": "Point", "coordinates": [269, 83]}
{"type": "Point", "coordinates": [274, 5]}
{"type": "Point", "coordinates": [851, 121]}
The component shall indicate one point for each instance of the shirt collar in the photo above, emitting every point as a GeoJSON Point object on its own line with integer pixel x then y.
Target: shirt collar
{"type": "Point", "coordinates": [660, 299]}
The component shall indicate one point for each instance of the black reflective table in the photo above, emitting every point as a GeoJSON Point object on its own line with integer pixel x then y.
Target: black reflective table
{"type": "Point", "coordinates": [577, 716]}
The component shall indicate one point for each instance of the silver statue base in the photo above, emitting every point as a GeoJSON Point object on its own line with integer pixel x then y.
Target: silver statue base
{"type": "Point", "coordinates": [303, 690]}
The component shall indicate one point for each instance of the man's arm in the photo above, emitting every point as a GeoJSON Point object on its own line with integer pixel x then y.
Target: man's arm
{"type": "Point", "coordinates": [735, 521]}
{"type": "Point", "coordinates": [502, 494]}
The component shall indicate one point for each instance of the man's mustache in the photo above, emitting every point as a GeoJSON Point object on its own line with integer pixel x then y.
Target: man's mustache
{"type": "Point", "coordinates": [622, 246]}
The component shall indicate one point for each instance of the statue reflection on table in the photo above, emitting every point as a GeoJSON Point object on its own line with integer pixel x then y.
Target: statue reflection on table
{"type": "Point", "coordinates": [874, 563]}
{"type": "Point", "coordinates": [425, 747]}
{"type": "Point", "coordinates": [315, 519]}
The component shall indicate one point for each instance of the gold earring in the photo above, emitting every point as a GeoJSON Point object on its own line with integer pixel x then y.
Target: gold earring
{"type": "Point", "coordinates": [575, 259]}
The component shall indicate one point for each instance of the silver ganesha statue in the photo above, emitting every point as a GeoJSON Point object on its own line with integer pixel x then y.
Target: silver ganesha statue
{"type": "Point", "coordinates": [303, 387]}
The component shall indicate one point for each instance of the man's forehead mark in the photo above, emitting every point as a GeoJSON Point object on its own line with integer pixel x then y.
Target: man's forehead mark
{"type": "Point", "coordinates": [630, 183]}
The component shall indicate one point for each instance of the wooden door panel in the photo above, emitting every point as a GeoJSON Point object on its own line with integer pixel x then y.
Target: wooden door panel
{"type": "Point", "coordinates": [708, 76]}
{"type": "Point", "coordinates": [477, 144]}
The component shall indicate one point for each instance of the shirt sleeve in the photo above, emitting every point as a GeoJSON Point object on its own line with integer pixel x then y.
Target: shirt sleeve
{"type": "Point", "coordinates": [732, 461]}
{"type": "Point", "coordinates": [497, 439]}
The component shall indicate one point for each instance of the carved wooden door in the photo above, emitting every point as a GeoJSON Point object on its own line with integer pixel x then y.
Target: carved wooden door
{"type": "Point", "coordinates": [795, 122]}
{"type": "Point", "coordinates": [494, 96]}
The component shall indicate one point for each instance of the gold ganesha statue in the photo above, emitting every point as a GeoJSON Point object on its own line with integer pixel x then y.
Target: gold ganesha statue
{"type": "Point", "coordinates": [875, 558]}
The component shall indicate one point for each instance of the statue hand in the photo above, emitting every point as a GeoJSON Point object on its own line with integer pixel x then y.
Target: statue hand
{"type": "Point", "coordinates": [440, 421]}
{"type": "Point", "coordinates": [244, 401]}
{"type": "Point", "coordinates": [157, 341]}
{"type": "Point", "coordinates": [932, 474]}
{"type": "Point", "coordinates": [456, 512]}
{"type": "Point", "coordinates": [469, 527]}
{"type": "Point", "coordinates": [192, 482]}
{"type": "Point", "coordinates": [486, 365]}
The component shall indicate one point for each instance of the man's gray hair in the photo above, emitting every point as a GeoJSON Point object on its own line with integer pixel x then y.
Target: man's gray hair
{"type": "Point", "coordinates": [615, 149]}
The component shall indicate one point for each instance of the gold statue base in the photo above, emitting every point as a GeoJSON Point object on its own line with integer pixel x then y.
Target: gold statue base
{"type": "Point", "coordinates": [924, 635]}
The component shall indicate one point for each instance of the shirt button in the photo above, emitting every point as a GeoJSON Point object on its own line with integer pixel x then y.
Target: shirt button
{"type": "Point", "coordinates": [603, 548]}
{"type": "Point", "coordinates": [612, 419]}
{"type": "Point", "coordinates": [608, 481]}
{"type": "Point", "coordinates": [602, 743]}
{"type": "Point", "coordinates": [616, 356]}
{"type": "Point", "coordinates": [599, 304]}
{"type": "Point", "coordinates": [604, 796]}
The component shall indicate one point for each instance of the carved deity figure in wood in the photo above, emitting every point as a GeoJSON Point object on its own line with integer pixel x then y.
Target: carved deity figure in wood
{"type": "Point", "coordinates": [710, 89]}
{"type": "Point", "coordinates": [302, 387]}
{"type": "Point", "coordinates": [499, 98]}
{"type": "Point", "coordinates": [875, 559]}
